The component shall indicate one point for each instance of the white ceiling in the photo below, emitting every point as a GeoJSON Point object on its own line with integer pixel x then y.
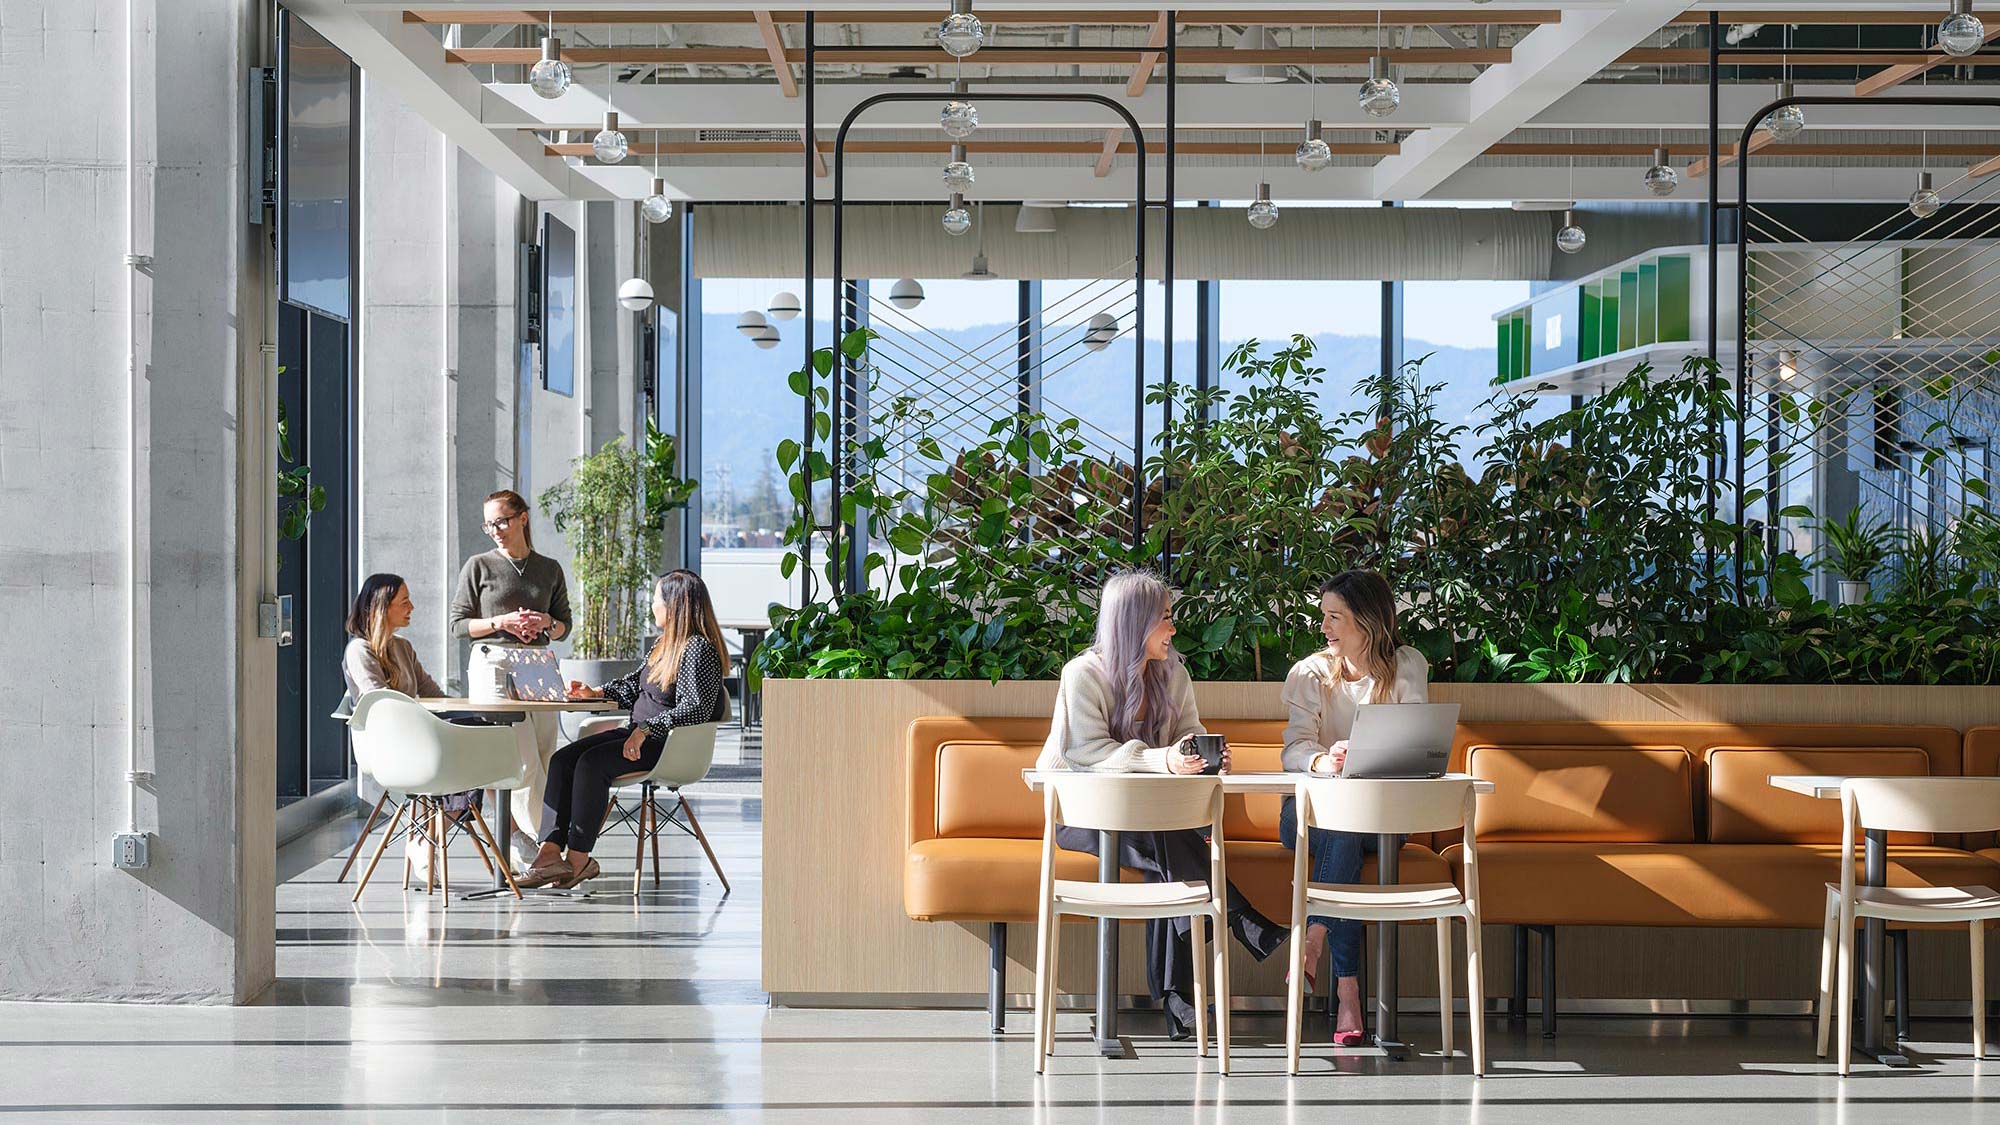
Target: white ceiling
{"type": "Point", "coordinates": [1563, 84]}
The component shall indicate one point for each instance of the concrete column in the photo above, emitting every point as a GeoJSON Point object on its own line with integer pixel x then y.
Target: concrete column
{"type": "Point", "coordinates": [109, 528]}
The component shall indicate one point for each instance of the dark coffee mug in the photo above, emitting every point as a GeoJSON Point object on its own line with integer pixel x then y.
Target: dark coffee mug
{"type": "Point", "coordinates": [1209, 746]}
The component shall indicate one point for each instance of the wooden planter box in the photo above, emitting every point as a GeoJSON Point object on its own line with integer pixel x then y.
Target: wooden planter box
{"type": "Point", "coordinates": [835, 931]}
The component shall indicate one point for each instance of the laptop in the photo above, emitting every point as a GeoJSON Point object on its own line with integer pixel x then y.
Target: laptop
{"type": "Point", "coordinates": [1400, 740]}
{"type": "Point", "coordinates": [532, 673]}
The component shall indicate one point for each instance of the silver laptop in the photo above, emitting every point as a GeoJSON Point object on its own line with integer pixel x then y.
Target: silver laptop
{"type": "Point", "coordinates": [1400, 740]}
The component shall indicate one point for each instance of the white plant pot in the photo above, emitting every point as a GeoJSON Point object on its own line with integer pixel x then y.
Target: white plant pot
{"type": "Point", "coordinates": [1853, 593]}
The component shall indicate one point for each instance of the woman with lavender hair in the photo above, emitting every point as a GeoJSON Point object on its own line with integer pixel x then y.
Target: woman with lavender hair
{"type": "Point", "coordinates": [1126, 705]}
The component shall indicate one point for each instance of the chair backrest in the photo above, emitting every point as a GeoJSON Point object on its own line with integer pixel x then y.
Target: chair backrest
{"type": "Point", "coordinates": [1378, 805]}
{"type": "Point", "coordinates": [690, 751]}
{"type": "Point", "coordinates": [409, 750]}
{"type": "Point", "coordinates": [1922, 804]}
{"type": "Point", "coordinates": [1115, 802]}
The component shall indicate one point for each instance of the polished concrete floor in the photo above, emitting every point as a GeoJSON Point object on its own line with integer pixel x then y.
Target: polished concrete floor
{"type": "Point", "coordinates": [605, 1008]}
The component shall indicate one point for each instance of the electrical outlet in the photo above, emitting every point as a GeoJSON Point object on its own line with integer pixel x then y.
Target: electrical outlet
{"type": "Point", "coordinates": [128, 850]}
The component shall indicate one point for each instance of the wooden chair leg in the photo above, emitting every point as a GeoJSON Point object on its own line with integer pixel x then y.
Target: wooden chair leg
{"type": "Point", "coordinates": [1219, 951]}
{"type": "Point", "coordinates": [443, 856]}
{"type": "Point", "coordinates": [388, 834]}
{"type": "Point", "coordinates": [1445, 1017]}
{"type": "Point", "coordinates": [464, 821]}
{"type": "Point", "coordinates": [1843, 980]}
{"type": "Point", "coordinates": [1978, 937]}
{"type": "Point", "coordinates": [1044, 1003]}
{"type": "Point", "coordinates": [361, 839]}
{"type": "Point", "coordinates": [702, 838]}
{"type": "Point", "coordinates": [1055, 983]}
{"type": "Point", "coordinates": [500, 856]}
{"type": "Point", "coordinates": [639, 855]}
{"type": "Point", "coordinates": [1197, 932]}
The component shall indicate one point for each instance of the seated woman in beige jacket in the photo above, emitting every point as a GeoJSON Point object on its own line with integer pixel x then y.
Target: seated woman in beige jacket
{"type": "Point", "coordinates": [1127, 706]}
{"type": "Point", "coordinates": [1361, 663]}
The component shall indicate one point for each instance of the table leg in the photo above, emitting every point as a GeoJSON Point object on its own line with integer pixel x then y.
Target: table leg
{"type": "Point", "coordinates": [1874, 873]}
{"type": "Point", "coordinates": [1388, 858]}
{"type": "Point", "coordinates": [1107, 954]}
{"type": "Point", "coordinates": [503, 821]}
{"type": "Point", "coordinates": [753, 702]}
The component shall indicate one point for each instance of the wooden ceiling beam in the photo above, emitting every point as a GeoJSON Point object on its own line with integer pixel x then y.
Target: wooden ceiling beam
{"type": "Point", "coordinates": [1892, 77]}
{"type": "Point", "coordinates": [1143, 73]}
{"type": "Point", "coordinates": [774, 45]}
{"type": "Point", "coordinates": [1822, 17]}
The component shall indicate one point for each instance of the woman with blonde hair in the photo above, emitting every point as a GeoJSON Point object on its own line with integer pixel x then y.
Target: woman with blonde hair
{"type": "Point", "coordinates": [1361, 663]}
{"type": "Point", "coordinates": [680, 684]}
{"type": "Point", "coordinates": [1126, 705]}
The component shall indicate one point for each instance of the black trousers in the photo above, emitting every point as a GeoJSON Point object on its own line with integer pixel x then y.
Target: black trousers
{"type": "Point", "coordinates": [1171, 857]}
{"type": "Point", "coordinates": [579, 785]}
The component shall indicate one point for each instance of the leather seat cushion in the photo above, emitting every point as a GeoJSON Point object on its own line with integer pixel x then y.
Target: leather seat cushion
{"type": "Point", "coordinates": [1743, 808]}
{"type": "Point", "coordinates": [994, 880]}
{"type": "Point", "coordinates": [1614, 884]}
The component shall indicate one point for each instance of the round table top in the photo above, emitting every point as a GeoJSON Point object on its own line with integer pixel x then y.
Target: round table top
{"type": "Point", "coordinates": [450, 704]}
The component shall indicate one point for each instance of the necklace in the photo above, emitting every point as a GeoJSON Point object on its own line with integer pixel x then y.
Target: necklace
{"type": "Point", "coordinates": [520, 568]}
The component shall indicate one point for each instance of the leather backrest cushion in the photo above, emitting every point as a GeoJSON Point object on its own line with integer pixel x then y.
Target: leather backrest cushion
{"type": "Point", "coordinates": [1623, 794]}
{"type": "Point", "coordinates": [1253, 816]}
{"type": "Point", "coordinates": [980, 791]}
{"type": "Point", "coordinates": [1743, 807]}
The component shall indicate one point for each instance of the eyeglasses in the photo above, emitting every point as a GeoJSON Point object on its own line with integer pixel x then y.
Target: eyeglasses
{"type": "Point", "coordinates": [501, 524]}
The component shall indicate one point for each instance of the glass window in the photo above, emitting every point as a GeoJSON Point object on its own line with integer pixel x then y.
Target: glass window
{"type": "Point", "coordinates": [318, 171]}
{"type": "Point", "coordinates": [1343, 318]}
{"type": "Point", "coordinates": [1449, 325]}
{"type": "Point", "coordinates": [946, 367]}
{"type": "Point", "coordinates": [559, 313]}
{"type": "Point", "coordinates": [1087, 362]}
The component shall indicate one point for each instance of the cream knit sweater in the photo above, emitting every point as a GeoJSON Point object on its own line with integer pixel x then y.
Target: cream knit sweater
{"type": "Point", "coordinates": [1080, 733]}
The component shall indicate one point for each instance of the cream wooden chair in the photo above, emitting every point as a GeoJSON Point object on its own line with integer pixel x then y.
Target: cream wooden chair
{"type": "Point", "coordinates": [1135, 803]}
{"type": "Point", "coordinates": [1905, 804]}
{"type": "Point", "coordinates": [421, 758]}
{"type": "Point", "coordinates": [1400, 806]}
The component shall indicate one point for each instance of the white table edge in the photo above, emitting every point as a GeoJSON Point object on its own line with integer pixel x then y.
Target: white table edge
{"type": "Point", "coordinates": [1264, 781]}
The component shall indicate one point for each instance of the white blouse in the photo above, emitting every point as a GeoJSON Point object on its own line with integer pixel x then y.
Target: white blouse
{"type": "Point", "coordinates": [1321, 704]}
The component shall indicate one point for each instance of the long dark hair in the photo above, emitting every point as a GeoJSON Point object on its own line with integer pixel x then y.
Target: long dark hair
{"type": "Point", "coordinates": [689, 612]}
{"type": "Point", "coordinates": [516, 507]}
{"type": "Point", "coordinates": [1373, 606]}
{"type": "Point", "coordinates": [369, 620]}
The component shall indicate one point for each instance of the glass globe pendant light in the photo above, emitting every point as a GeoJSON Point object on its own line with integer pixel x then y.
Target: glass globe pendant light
{"type": "Point", "coordinates": [657, 208]}
{"type": "Point", "coordinates": [1570, 238]}
{"type": "Point", "coordinates": [1961, 34]}
{"type": "Point", "coordinates": [550, 75]}
{"type": "Point", "coordinates": [1379, 96]}
{"type": "Point", "coordinates": [609, 144]}
{"type": "Point", "coordinates": [1925, 202]}
{"type": "Point", "coordinates": [958, 119]}
{"type": "Point", "coordinates": [961, 33]}
{"type": "Point", "coordinates": [1263, 214]}
{"type": "Point", "coordinates": [1661, 179]}
{"type": "Point", "coordinates": [1786, 122]}
{"type": "Point", "coordinates": [957, 174]}
{"type": "Point", "coordinates": [957, 220]}
{"type": "Point", "coordinates": [1313, 153]}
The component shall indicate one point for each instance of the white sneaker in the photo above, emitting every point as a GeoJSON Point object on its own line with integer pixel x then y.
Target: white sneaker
{"type": "Point", "coordinates": [525, 848]}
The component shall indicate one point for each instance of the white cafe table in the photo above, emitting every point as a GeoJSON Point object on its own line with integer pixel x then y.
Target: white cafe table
{"type": "Point", "coordinates": [513, 711]}
{"type": "Point", "coordinates": [1874, 873]}
{"type": "Point", "coordinates": [1388, 855]}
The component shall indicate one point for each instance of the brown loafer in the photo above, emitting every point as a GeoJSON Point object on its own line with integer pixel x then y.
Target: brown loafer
{"type": "Point", "coordinates": [543, 876]}
{"type": "Point", "coordinates": [590, 871]}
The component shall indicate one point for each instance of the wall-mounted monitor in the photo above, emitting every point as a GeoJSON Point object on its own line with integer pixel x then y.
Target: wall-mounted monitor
{"type": "Point", "coordinates": [558, 306]}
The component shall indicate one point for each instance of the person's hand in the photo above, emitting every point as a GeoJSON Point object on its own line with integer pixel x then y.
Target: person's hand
{"type": "Point", "coordinates": [514, 625]}
{"type": "Point", "coordinates": [537, 622]}
{"type": "Point", "coordinates": [633, 742]}
{"type": "Point", "coordinates": [578, 690]}
{"type": "Point", "coordinates": [1225, 756]}
{"type": "Point", "coordinates": [1182, 759]}
{"type": "Point", "coordinates": [1332, 758]}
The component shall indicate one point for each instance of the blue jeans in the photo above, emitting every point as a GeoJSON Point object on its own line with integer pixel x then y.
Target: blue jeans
{"type": "Point", "coordinates": [1336, 858]}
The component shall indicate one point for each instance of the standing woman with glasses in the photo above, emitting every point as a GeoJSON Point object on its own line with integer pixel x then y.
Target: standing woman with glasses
{"type": "Point", "coordinates": [512, 597]}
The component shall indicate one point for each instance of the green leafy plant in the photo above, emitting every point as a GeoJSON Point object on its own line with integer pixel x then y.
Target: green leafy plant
{"type": "Point", "coordinates": [299, 499]}
{"type": "Point", "coordinates": [1856, 546]}
{"type": "Point", "coordinates": [612, 537]}
{"type": "Point", "coordinates": [664, 490]}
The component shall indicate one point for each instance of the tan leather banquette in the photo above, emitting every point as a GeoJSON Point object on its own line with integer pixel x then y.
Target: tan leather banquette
{"type": "Point", "coordinates": [1640, 824]}
{"type": "Point", "coordinates": [975, 829]}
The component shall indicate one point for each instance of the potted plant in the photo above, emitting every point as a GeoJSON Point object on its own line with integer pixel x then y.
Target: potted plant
{"type": "Point", "coordinates": [611, 509]}
{"type": "Point", "coordinates": [1854, 549]}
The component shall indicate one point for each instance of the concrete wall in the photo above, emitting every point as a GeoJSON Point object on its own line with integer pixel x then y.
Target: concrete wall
{"type": "Point", "coordinates": [197, 924]}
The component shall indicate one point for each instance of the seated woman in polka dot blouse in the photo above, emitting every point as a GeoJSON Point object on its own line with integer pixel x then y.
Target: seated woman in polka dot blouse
{"type": "Point", "coordinates": [680, 684]}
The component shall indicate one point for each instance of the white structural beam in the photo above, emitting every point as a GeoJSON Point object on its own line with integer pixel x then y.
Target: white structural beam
{"type": "Point", "coordinates": [1549, 62]}
{"type": "Point", "coordinates": [408, 59]}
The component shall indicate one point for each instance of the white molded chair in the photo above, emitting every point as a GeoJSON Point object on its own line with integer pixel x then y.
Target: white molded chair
{"type": "Point", "coordinates": [689, 752]}
{"type": "Point", "coordinates": [1376, 806]}
{"type": "Point", "coordinates": [1905, 804]}
{"type": "Point", "coordinates": [1135, 803]}
{"type": "Point", "coordinates": [419, 757]}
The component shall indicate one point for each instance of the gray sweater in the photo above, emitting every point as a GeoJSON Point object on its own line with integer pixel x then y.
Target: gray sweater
{"type": "Point", "coordinates": [491, 584]}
